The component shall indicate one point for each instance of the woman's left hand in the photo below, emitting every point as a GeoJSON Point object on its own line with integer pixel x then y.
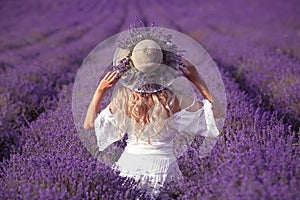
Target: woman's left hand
{"type": "Point", "coordinates": [109, 80]}
{"type": "Point", "coordinates": [190, 72]}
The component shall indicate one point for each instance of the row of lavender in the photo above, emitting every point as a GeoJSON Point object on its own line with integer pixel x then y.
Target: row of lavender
{"type": "Point", "coordinates": [73, 50]}
{"type": "Point", "coordinates": [41, 71]}
{"type": "Point", "coordinates": [261, 63]}
{"type": "Point", "coordinates": [262, 67]}
{"type": "Point", "coordinates": [252, 160]}
{"type": "Point", "coordinates": [53, 164]}
{"type": "Point", "coordinates": [40, 31]}
{"type": "Point", "coordinates": [34, 73]}
{"type": "Point", "coordinates": [250, 43]}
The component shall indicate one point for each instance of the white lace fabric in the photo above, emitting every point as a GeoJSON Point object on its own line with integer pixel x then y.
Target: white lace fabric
{"type": "Point", "coordinates": [155, 164]}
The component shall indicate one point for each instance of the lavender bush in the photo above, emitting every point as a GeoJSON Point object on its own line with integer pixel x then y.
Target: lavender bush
{"type": "Point", "coordinates": [256, 46]}
{"type": "Point", "coordinates": [270, 70]}
{"type": "Point", "coordinates": [263, 59]}
{"type": "Point", "coordinates": [28, 88]}
{"type": "Point", "coordinates": [53, 164]}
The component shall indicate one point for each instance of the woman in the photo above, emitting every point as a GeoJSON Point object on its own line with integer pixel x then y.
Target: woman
{"type": "Point", "coordinates": [153, 115]}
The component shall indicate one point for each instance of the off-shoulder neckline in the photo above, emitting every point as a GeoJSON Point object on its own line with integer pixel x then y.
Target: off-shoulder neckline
{"type": "Point", "coordinates": [191, 112]}
{"type": "Point", "coordinates": [174, 114]}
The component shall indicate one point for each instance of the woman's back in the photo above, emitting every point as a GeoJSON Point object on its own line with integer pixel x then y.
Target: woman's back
{"type": "Point", "coordinates": [144, 115]}
{"type": "Point", "coordinates": [152, 120]}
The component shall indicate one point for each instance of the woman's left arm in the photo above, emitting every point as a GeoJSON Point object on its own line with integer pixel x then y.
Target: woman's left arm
{"type": "Point", "coordinates": [192, 74]}
{"type": "Point", "coordinates": [106, 83]}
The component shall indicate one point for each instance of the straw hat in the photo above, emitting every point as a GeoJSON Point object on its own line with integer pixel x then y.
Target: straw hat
{"type": "Point", "coordinates": [146, 67]}
{"type": "Point", "coordinates": [147, 56]}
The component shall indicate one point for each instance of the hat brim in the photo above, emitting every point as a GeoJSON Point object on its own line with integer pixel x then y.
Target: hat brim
{"type": "Point", "coordinates": [134, 79]}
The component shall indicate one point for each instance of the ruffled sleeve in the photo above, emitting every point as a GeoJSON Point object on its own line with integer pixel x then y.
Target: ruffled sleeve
{"type": "Point", "coordinates": [201, 121]}
{"type": "Point", "coordinates": [189, 124]}
{"type": "Point", "coordinates": [210, 128]}
{"type": "Point", "coordinates": [106, 132]}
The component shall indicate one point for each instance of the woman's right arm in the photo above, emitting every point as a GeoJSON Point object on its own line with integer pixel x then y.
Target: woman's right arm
{"type": "Point", "coordinates": [106, 83]}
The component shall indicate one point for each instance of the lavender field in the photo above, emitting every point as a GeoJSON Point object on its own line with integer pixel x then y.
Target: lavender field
{"type": "Point", "coordinates": [256, 45]}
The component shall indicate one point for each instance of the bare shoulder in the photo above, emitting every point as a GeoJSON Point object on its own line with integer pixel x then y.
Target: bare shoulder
{"type": "Point", "coordinates": [190, 104]}
{"type": "Point", "coordinates": [197, 105]}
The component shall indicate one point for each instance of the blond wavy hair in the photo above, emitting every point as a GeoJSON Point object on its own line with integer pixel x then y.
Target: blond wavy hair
{"type": "Point", "coordinates": [139, 110]}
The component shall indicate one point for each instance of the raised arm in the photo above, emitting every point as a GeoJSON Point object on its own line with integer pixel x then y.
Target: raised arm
{"type": "Point", "coordinates": [192, 74]}
{"type": "Point", "coordinates": [106, 83]}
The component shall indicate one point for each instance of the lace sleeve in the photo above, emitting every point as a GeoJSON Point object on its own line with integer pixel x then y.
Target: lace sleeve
{"type": "Point", "coordinates": [209, 129]}
{"type": "Point", "coordinates": [189, 124]}
{"type": "Point", "coordinates": [106, 132]}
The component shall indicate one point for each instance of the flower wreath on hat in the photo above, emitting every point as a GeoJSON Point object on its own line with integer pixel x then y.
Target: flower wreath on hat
{"type": "Point", "coordinates": [133, 49]}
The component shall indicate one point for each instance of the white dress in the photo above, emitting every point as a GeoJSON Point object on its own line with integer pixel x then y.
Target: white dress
{"type": "Point", "coordinates": [154, 164]}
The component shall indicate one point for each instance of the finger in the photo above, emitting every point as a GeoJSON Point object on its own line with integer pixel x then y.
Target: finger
{"type": "Point", "coordinates": [107, 75]}
{"type": "Point", "coordinates": [111, 75]}
{"type": "Point", "coordinates": [114, 77]}
{"type": "Point", "coordinates": [188, 65]}
{"type": "Point", "coordinates": [184, 70]}
{"type": "Point", "coordinates": [114, 81]}
{"type": "Point", "coordinates": [185, 62]}
{"type": "Point", "coordinates": [110, 85]}
{"type": "Point", "coordinates": [191, 68]}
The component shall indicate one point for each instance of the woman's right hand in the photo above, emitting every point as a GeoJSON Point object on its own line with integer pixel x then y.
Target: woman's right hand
{"type": "Point", "coordinates": [109, 80]}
